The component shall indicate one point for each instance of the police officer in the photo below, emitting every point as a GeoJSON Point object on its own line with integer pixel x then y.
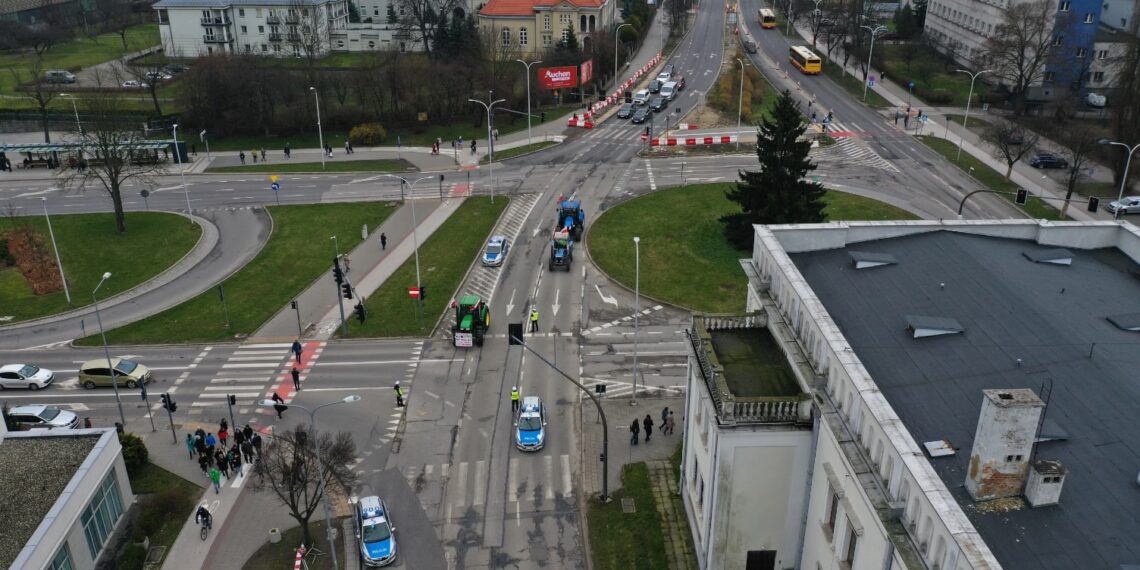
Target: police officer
{"type": "Point", "coordinates": [534, 319]}
{"type": "Point", "coordinates": [399, 395]}
{"type": "Point", "coordinates": [514, 399]}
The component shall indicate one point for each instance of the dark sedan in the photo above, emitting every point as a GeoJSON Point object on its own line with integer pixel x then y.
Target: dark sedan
{"type": "Point", "coordinates": [657, 103]}
{"type": "Point", "coordinates": [641, 115]}
{"type": "Point", "coordinates": [1048, 160]}
{"type": "Point", "coordinates": [626, 111]}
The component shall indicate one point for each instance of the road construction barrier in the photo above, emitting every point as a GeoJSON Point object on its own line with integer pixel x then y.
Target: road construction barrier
{"type": "Point", "coordinates": [693, 141]}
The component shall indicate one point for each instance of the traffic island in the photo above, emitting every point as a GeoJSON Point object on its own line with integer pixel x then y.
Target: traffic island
{"type": "Point", "coordinates": [315, 166]}
{"type": "Point", "coordinates": [283, 552]}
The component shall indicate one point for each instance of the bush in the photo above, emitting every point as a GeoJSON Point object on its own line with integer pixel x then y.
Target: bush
{"type": "Point", "coordinates": [133, 557]}
{"type": "Point", "coordinates": [934, 96]}
{"type": "Point", "coordinates": [368, 134]}
{"type": "Point", "coordinates": [135, 454]}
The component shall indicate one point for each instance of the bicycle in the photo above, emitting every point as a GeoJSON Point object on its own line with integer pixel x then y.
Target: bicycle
{"type": "Point", "coordinates": [207, 523]}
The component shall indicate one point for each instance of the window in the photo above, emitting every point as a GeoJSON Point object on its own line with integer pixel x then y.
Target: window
{"type": "Point", "coordinates": [1089, 18]}
{"type": "Point", "coordinates": [243, 30]}
{"type": "Point", "coordinates": [546, 22]}
{"type": "Point", "coordinates": [1065, 6]}
{"type": "Point", "coordinates": [1081, 53]}
{"type": "Point", "coordinates": [546, 40]}
{"type": "Point", "coordinates": [1098, 77]}
{"type": "Point", "coordinates": [565, 34]}
{"type": "Point", "coordinates": [505, 37]}
{"type": "Point", "coordinates": [241, 12]}
{"type": "Point", "coordinates": [1057, 40]}
{"type": "Point", "coordinates": [1102, 54]}
{"type": "Point", "coordinates": [523, 40]}
{"type": "Point", "coordinates": [101, 514]}
{"type": "Point", "coordinates": [258, 13]}
{"type": "Point", "coordinates": [564, 19]}
{"type": "Point", "coordinates": [62, 559]}
{"type": "Point", "coordinates": [261, 29]}
{"type": "Point", "coordinates": [264, 48]}
{"type": "Point", "coordinates": [248, 48]}
{"type": "Point", "coordinates": [833, 511]}
{"type": "Point", "coordinates": [852, 541]}
{"type": "Point", "coordinates": [162, 17]}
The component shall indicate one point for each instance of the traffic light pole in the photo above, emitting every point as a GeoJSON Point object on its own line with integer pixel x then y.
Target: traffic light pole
{"type": "Point", "coordinates": [230, 402]}
{"type": "Point", "coordinates": [170, 416]}
{"type": "Point", "coordinates": [149, 412]}
{"type": "Point", "coordinates": [340, 279]}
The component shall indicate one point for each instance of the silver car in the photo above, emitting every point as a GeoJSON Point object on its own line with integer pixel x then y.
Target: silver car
{"type": "Point", "coordinates": [44, 417]}
{"type": "Point", "coordinates": [25, 376]}
{"type": "Point", "coordinates": [1126, 205]}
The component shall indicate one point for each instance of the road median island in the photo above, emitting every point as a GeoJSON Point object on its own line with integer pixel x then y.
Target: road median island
{"type": "Point", "coordinates": [154, 241]}
{"type": "Point", "coordinates": [445, 258]}
{"type": "Point", "coordinates": [518, 151]}
{"type": "Point", "coordinates": [298, 252]}
{"type": "Point", "coordinates": [331, 165]}
{"type": "Point", "coordinates": [685, 259]}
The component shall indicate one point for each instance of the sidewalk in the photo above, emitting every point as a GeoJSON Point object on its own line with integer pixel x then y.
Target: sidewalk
{"type": "Point", "coordinates": [675, 523]}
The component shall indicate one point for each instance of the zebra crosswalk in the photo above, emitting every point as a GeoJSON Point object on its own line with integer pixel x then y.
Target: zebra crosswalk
{"type": "Point", "coordinates": [850, 150]}
{"type": "Point", "coordinates": [532, 478]}
{"type": "Point", "coordinates": [484, 280]}
{"type": "Point", "coordinates": [253, 372]}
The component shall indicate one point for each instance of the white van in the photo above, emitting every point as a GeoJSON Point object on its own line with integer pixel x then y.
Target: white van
{"type": "Point", "coordinates": [641, 97]}
{"type": "Point", "coordinates": [669, 90]}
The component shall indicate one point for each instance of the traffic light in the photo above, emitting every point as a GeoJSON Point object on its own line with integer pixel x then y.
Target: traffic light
{"type": "Point", "coordinates": [168, 403]}
{"type": "Point", "coordinates": [1022, 196]}
{"type": "Point", "coordinates": [422, 291]}
{"type": "Point", "coordinates": [1094, 203]}
{"type": "Point", "coordinates": [359, 310]}
{"type": "Point", "coordinates": [542, 117]}
{"type": "Point", "coordinates": [346, 290]}
{"type": "Point", "coordinates": [233, 400]}
{"type": "Point", "coordinates": [337, 273]}
{"type": "Point", "coordinates": [629, 97]}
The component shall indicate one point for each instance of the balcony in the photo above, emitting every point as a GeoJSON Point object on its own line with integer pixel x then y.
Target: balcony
{"type": "Point", "coordinates": [292, 18]}
{"type": "Point", "coordinates": [273, 20]}
{"type": "Point", "coordinates": [216, 21]}
{"type": "Point", "coordinates": [274, 37]}
{"type": "Point", "coordinates": [216, 39]}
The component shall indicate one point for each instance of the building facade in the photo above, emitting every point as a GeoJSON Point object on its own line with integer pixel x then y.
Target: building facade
{"type": "Point", "coordinates": [529, 27]}
{"type": "Point", "coordinates": [284, 28]}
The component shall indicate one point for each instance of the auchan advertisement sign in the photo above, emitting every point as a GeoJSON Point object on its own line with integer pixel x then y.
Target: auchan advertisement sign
{"type": "Point", "coordinates": [557, 77]}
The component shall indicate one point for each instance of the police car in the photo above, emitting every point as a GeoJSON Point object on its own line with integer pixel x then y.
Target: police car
{"type": "Point", "coordinates": [496, 251]}
{"type": "Point", "coordinates": [530, 424]}
{"type": "Point", "coordinates": [377, 542]}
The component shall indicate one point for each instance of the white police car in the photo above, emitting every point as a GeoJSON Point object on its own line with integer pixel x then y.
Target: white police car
{"type": "Point", "coordinates": [377, 541]}
{"type": "Point", "coordinates": [496, 251]}
{"type": "Point", "coordinates": [530, 424]}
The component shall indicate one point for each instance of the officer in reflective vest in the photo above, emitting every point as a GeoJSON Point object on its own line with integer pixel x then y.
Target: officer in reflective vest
{"type": "Point", "coordinates": [514, 399]}
{"type": "Point", "coordinates": [534, 319]}
{"type": "Point", "coordinates": [399, 395]}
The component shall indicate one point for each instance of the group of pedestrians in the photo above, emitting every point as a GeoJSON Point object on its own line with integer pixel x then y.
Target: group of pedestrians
{"type": "Point", "coordinates": [253, 153]}
{"type": "Point", "coordinates": [646, 425]}
{"type": "Point", "coordinates": [217, 457]}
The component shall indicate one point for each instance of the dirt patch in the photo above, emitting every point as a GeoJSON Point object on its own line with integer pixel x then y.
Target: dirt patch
{"type": "Point", "coordinates": [33, 258]}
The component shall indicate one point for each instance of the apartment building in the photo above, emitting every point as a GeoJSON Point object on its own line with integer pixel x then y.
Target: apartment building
{"type": "Point", "coordinates": [285, 28]}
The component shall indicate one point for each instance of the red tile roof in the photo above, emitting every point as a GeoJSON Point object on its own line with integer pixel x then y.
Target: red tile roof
{"type": "Point", "coordinates": [527, 7]}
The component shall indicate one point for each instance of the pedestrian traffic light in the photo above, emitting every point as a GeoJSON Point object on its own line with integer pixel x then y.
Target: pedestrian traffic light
{"type": "Point", "coordinates": [1094, 203]}
{"type": "Point", "coordinates": [233, 400]}
{"type": "Point", "coordinates": [166, 401]}
{"type": "Point", "coordinates": [346, 290]}
{"type": "Point", "coordinates": [1022, 196]}
{"type": "Point", "coordinates": [337, 273]}
{"type": "Point", "coordinates": [360, 314]}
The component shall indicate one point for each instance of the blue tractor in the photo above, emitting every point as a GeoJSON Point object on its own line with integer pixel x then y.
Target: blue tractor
{"type": "Point", "coordinates": [572, 217]}
{"type": "Point", "coordinates": [561, 250]}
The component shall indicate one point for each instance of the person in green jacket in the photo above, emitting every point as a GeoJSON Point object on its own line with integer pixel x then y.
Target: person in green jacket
{"type": "Point", "coordinates": [216, 477]}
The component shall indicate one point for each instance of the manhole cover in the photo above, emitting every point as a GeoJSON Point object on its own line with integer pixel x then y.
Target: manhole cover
{"type": "Point", "coordinates": [627, 506]}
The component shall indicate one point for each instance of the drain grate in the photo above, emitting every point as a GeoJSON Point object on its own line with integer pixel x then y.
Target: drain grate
{"type": "Point", "coordinates": [627, 506]}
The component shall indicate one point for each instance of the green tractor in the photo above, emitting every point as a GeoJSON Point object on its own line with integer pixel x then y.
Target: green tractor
{"type": "Point", "coordinates": [472, 319]}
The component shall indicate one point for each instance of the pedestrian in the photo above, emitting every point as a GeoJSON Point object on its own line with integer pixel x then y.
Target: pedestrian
{"type": "Point", "coordinates": [222, 462]}
{"type": "Point", "coordinates": [194, 149]}
{"type": "Point", "coordinates": [247, 432]}
{"type": "Point", "coordinates": [647, 423]}
{"type": "Point", "coordinates": [223, 435]}
{"type": "Point", "coordinates": [239, 437]}
{"type": "Point", "coordinates": [86, 423]}
{"type": "Point", "coordinates": [297, 349]}
{"type": "Point", "coordinates": [347, 147]}
{"type": "Point", "coordinates": [473, 141]}
{"type": "Point", "coordinates": [211, 443]}
{"type": "Point", "coordinates": [200, 445]}
{"type": "Point", "coordinates": [204, 463]}
{"type": "Point", "coordinates": [223, 425]}
{"type": "Point", "coordinates": [254, 155]}
{"type": "Point", "coordinates": [669, 422]}
{"type": "Point", "coordinates": [263, 155]}
{"type": "Point", "coordinates": [287, 151]}
{"type": "Point", "coordinates": [296, 378]}
{"type": "Point", "coordinates": [279, 405]}
{"type": "Point", "coordinates": [234, 458]}
{"type": "Point", "coordinates": [399, 395]}
{"type": "Point", "coordinates": [247, 451]}
{"type": "Point", "coordinates": [216, 478]}
{"type": "Point", "coordinates": [514, 399]}
{"type": "Point", "coordinates": [634, 430]}
{"type": "Point", "coordinates": [664, 415]}
{"type": "Point", "coordinates": [495, 135]}
{"type": "Point", "coordinates": [534, 319]}
{"type": "Point", "coordinates": [256, 441]}
{"type": "Point", "coordinates": [383, 241]}
{"type": "Point", "coordinates": [241, 155]}
{"type": "Point", "coordinates": [190, 444]}
{"type": "Point", "coordinates": [347, 263]}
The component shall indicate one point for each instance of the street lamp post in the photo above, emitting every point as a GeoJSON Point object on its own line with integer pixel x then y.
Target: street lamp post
{"type": "Point", "coordinates": [527, 65]}
{"type": "Point", "coordinates": [74, 109]}
{"type": "Point", "coordinates": [815, 18]}
{"type": "Point", "coordinates": [339, 296]}
{"type": "Point", "coordinates": [616, 44]}
{"type": "Point", "coordinates": [969, 99]}
{"type": "Point", "coordinates": [739, 103]}
{"type": "Point", "coordinates": [106, 350]}
{"type": "Point", "coordinates": [320, 465]}
{"type": "Point", "coordinates": [320, 133]}
{"type": "Point", "coordinates": [871, 54]}
{"type": "Point", "coordinates": [415, 239]}
{"type": "Point", "coordinates": [490, 106]}
{"type": "Point", "coordinates": [636, 309]}
{"type": "Point", "coordinates": [182, 174]}
{"type": "Point", "coordinates": [1124, 178]}
{"type": "Point", "coordinates": [58, 262]}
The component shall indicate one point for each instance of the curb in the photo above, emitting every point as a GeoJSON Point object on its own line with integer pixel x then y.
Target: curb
{"type": "Point", "coordinates": [556, 143]}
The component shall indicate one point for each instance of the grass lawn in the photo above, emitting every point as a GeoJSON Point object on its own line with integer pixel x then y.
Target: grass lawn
{"type": "Point", "coordinates": [171, 501]}
{"type": "Point", "coordinates": [444, 260]}
{"type": "Point", "coordinates": [90, 246]}
{"type": "Point", "coordinates": [691, 264]}
{"type": "Point", "coordinates": [380, 165]}
{"type": "Point", "coordinates": [628, 541]}
{"type": "Point", "coordinates": [929, 71]}
{"type": "Point", "coordinates": [852, 84]}
{"type": "Point", "coordinates": [990, 178]}
{"type": "Point", "coordinates": [519, 150]}
{"type": "Point", "coordinates": [281, 555]}
{"type": "Point", "coordinates": [1106, 191]}
{"type": "Point", "coordinates": [297, 253]}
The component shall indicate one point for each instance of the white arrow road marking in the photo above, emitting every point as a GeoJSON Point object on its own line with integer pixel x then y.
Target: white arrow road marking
{"type": "Point", "coordinates": [157, 190]}
{"type": "Point", "coordinates": [554, 308]}
{"type": "Point", "coordinates": [511, 303]}
{"type": "Point", "coordinates": [36, 193]}
{"type": "Point", "coordinates": [610, 300]}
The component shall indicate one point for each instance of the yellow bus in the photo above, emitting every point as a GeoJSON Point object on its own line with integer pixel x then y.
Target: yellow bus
{"type": "Point", "coordinates": [805, 60]}
{"type": "Point", "coordinates": [767, 18]}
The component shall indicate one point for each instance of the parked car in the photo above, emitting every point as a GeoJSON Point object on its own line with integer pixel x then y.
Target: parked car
{"type": "Point", "coordinates": [25, 376]}
{"type": "Point", "coordinates": [127, 372]}
{"type": "Point", "coordinates": [1048, 160]}
{"type": "Point", "coordinates": [750, 46]}
{"type": "Point", "coordinates": [657, 103]}
{"type": "Point", "coordinates": [496, 250]}
{"type": "Point", "coordinates": [1126, 205]}
{"type": "Point", "coordinates": [160, 75]}
{"type": "Point", "coordinates": [530, 424]}
{"type": "Point", "coordinates": [39, 416]}
{"type": "Point", "coordinates": [59, 76]}
{"type": "Point", "coordinates": [641, 115]}
{"type": "Point", "coordinates": [626, 111]}
{"type": "Point", "coordinates": [175, 68]}
{"type": "Point", "coordinates": [134, 84]}
{"type": "Point", "coordinates": [375, 531]}
{"type": "Point", "coordinates": [1015, 136]}
{"type": "Point", "coordinates": [655, 86]}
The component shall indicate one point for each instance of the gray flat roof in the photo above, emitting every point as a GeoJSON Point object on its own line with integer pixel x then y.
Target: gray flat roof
{"type": "Point", "coordinates": [34, 471]}
{"type": "Point", "coordinates": [1049, 316]}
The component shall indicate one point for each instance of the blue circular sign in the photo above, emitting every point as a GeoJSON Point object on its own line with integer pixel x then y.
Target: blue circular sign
{"type": "Point", "coordinates": [275, 186]}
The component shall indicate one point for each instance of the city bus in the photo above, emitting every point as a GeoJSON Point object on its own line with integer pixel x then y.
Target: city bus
{"type": "Point", "coordinates": [805, 60]}
{"type": "Point", "coordinates": [767, 18]}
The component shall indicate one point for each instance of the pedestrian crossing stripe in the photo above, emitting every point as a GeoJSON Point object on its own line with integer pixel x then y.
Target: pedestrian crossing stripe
{"type": "Point", "coordinates": [470, 486]}
{"type": "Point", "coordinates": [617, 322]}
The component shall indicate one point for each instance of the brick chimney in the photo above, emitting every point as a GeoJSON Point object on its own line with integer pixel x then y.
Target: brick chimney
{"type": "Point", "coordinates": [1003, 442]}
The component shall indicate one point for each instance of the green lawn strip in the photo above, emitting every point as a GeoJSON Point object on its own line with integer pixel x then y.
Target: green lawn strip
{"type": "Point", "coordinates": [170, 500]}
{"type": "Point", "coordinates": [691, 264]}
{"type": "Point", "coordinates": [331, 165]}
{"type": "Point", "coordinates": [928, 69]}
{"type": "Point", "coordinates": [1106, 191]}
{"type": "Point", "coordinates": [76, 54]}
{"type": "Point", "coordinates": [89, 246]}
{"type": "Point", "coordinates": [519, 150]}
{"type": "Point", "coordinates": [298, 251]}
{"type": "Point", "coordinates": [852, 84]}
{"type": "Point", "coordinates": [990, 178]}
{"type": "Point", "coordinates": [281, 555]}
{"type": "Point", "coordinates": [628, 541]}
{"type": "Point", "coordinates": [444, 260]}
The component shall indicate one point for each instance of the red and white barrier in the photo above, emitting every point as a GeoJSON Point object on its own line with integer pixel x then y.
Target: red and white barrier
{"type": "Point", "coordinates": [586, 120]}
{"type": "Point", "coordinates": [299, 558]}
{"type": "Point", "coordinates": [685, 127]}
{"type": "Point", "coordinates": [693, 141]}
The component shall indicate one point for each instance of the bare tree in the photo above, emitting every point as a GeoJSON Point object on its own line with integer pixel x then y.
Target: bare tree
{"type": "Point", "coordinates": [149, 76]}
{"type": "Point", "coordinates": [1126, 101]}
{"type": "Point", "coordinates": [1009, 142]}
{"type": "Point", "coordinates": [1020, 45]}
{"type": "Point", "coordinates": [42, 93]}
{"type": "Point", "coordinates": [288, 467]}
{"type": "Point", "coordinates": [307, 32]}
{"type": "Point", "coordinates": [418, 18]}
{"type": "Point", "coordinates": [1078, 141]}
{"type": "Point", "coordinates": [116, 16]}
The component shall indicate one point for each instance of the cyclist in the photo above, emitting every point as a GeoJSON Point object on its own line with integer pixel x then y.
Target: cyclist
{"type": "Point", "coordinates": [203, 517]}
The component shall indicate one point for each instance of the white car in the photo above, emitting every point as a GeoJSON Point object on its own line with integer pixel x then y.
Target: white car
{"type": "Point", "coordinates": [44, 417]}
{"type": "Point", "coordinates": [134, 84]}
{"type": "Point", "coordinates": [25, 376]}
{"type": "Point", "coordinates": [1126, 205]}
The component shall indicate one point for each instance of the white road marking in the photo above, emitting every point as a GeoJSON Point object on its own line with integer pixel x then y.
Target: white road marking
{"type": "Point", "coordinates": [480, 483]}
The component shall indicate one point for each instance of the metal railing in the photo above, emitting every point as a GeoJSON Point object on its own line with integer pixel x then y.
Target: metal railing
{"type": "Point", "coordinates": [216, 21]}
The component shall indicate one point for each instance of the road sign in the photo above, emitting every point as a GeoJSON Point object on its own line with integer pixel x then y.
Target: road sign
{"type": "Point", "coordinates": [910, 85]}
{"type": "Point", "coordinates": [414, 292]}
{"type": "Point", "coordinates": [275, 187]}
{"type": "Point", "coordinates": [273, 178]}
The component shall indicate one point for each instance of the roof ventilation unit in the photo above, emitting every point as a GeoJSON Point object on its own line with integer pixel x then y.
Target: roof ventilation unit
{"type": "Point", "coordinates": [922, 327]}
{"type": "Point", "coordinates": [867, 260]}
{"type": "Point", "coordinates": [1127, 322]}
{"type": "Point", "coordinates": [1054, 256]}
{"type": "Point", "coordinates": [1043, 488]}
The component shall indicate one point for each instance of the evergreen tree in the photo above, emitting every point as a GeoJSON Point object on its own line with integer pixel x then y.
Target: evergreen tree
{"type": "Point", "coordinates": [570, 44]}
{"type": "Point", "coordinates": [442, 43]}
{"type": "Point", "coordinates": [777, 193]}
{"type": "Point", "coordinates": [353, 13]}
{"type": "Point", "coordinates": [906, 24]}
{"type": "Point", "coordinates": [920, 13]}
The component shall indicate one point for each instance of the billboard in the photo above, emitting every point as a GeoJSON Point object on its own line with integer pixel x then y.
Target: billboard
{"type": "Point", "coordinates": [557, 77]}
{"type": "Point", "coordinates": [587, 71]}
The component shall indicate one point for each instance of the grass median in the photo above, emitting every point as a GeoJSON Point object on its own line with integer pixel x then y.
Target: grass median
{"type": "Point", "coordinates": [684, 257]}
{"type": "Point", "coordinates": [298, 252]}
{"type": "Point", "coordinates": [444, 260]}
{"type": "Point", "coordinates": [332, 165]}
{"type": "Point", "coordinates": [625, 541]}
{"type": "Point", "coordinates": [88, 247]}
